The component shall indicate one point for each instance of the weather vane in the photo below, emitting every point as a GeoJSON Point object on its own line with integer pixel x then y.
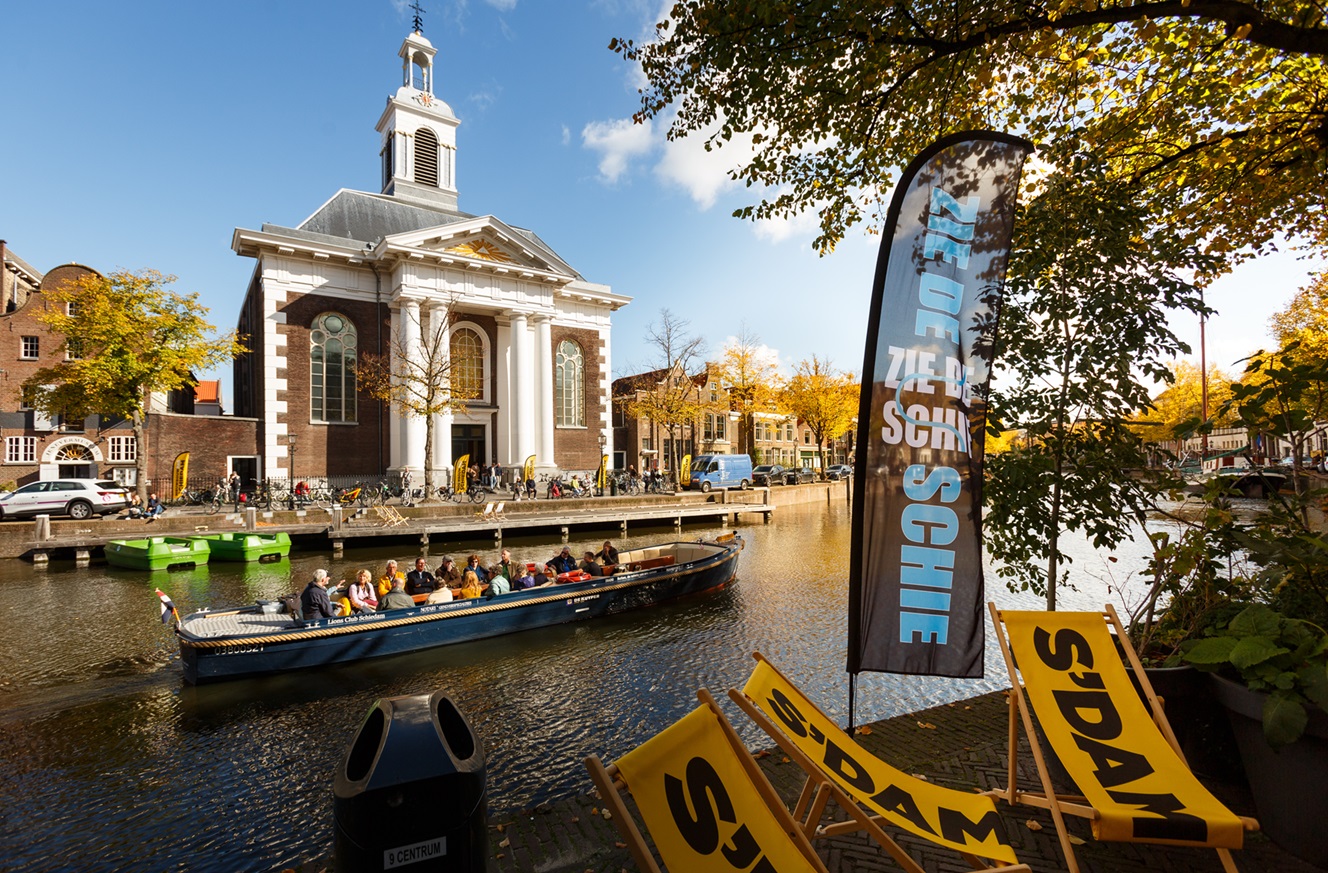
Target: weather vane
{"type": "Point", "coordinates": [419, 25]}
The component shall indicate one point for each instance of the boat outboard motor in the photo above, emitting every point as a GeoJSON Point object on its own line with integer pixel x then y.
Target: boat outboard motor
{"type": "Point", "coordinates": [411, 790]}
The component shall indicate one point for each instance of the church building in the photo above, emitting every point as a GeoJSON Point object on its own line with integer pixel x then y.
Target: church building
{"type": "Point", "coordinates": [381, 273]}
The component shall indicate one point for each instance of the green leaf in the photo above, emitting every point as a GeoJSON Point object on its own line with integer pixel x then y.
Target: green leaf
{"type": "Point", "coordinates": [1314, 683]}
{"type": "Point", "coordinates": [1214, 650]}
{"type": "Point", "coordinates": [1256, 620]}
{"type": "Point", "coordinates": [1284, 719]}
{"type": "Point", "coordinates": [1254, 650]}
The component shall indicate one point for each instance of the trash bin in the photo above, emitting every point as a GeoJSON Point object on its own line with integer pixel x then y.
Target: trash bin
{"type": "Point", "coordinates": [613, 487]}
{"type": "Point", "coordinates": [411, 790]}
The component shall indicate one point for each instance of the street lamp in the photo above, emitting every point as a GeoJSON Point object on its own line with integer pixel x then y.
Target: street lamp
{"type": "Point", "coordinates": [290, 438]}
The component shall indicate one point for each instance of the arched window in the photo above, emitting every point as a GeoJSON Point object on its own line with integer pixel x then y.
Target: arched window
{"type": "Point", "coordinates": [467, 371]}
{"type": "Point", "coordinates": [332, 368]}
{"type": "Point", "coordinates": [569, 390]}
{"type": "Point", "coordinates": [426, 157]}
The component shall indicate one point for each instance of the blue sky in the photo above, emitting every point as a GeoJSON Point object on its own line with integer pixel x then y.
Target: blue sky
{"type": "Point", "coordinates": [141, 134]}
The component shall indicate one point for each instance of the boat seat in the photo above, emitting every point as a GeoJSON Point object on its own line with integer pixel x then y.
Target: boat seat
{"type": "Point", "coordinates": [654, 563]}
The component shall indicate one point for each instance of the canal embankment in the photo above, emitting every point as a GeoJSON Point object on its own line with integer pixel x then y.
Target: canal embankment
{"type": "Point", "coordinates": [341, 528]}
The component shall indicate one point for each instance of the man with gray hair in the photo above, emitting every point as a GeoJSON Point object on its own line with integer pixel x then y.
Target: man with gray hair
{"type": "Point", "coordinates": [397, 598]}
{"type": "Point", "coordinates": [313, 600]}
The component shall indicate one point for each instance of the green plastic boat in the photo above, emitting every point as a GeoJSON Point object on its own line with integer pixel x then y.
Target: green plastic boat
{"type": "Point", "coordinates": [245, 546]}
{"type": "Point", "coordinates": [157, 553]}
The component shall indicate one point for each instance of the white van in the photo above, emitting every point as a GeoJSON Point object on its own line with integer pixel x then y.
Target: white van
{"type": "Point", "coordinates": [721, 471]}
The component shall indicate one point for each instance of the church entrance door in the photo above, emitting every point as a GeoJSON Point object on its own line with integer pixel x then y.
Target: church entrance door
{"type": "Point", "coordinates": [468, 439]}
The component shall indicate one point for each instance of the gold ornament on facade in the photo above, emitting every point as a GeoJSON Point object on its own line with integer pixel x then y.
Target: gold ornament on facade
{"type": "Point", "coordinates": [481, 249]}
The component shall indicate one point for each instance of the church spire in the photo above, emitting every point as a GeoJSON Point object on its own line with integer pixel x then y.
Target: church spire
{"type": "Point", "coordinates": [418, 130]}
{"type": "Point", "coordinates": [418, 24]}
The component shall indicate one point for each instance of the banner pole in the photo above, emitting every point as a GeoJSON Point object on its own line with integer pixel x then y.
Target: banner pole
{"type": "Point", "coordinates": [852, 695]}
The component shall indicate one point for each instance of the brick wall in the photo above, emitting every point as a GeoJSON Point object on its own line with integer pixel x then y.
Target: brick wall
{"type": "Point", "coordinates": [578, 448]}
{"type": "Point", "coordinates": [209, 440]}
{"type": "Point", "coordinates": [359, 449]}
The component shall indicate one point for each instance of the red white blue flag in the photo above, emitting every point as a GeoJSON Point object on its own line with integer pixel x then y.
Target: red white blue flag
{"type": "Point", "coordinates": [915, 573]}
{"type": "Point", "coordinates": [167, 608]}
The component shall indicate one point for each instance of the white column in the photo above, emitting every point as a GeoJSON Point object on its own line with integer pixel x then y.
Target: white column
{"type": "Point", "coordinates": [523, 438]}
{"type": "Point", "coordinates": [544, 404]}
{"type": "Point", "coordinates": [502, 381]}
{"type": "Point", "coordinates": [604, 383]}
{"type": "Point", "coordinates": [439, 327]}
{"type": "Point", "coordinates": [412, 426]}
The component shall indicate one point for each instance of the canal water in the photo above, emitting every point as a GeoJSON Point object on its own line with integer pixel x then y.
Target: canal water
{"type": "Point", "coordinates": [111, 762]}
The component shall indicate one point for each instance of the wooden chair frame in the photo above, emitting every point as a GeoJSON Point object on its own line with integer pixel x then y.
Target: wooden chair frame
{"type": "Point", "coordinates": [1061, 805]}
{"type": "Point", "coordinates": [819, 789]}
{"type": "Point", "coordinates": [611, 786]}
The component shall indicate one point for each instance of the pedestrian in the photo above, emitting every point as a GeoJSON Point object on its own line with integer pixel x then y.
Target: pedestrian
{"type": "Point", "coordinates": [233, 483]}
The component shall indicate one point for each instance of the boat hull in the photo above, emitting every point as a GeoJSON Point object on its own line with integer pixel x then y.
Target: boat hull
{"type": "Point", "coordinates": [247, 546]}
{"type": "Point", "coordinates": [156, 553]}
{"type": "Point", "coordinates": [360, 637]}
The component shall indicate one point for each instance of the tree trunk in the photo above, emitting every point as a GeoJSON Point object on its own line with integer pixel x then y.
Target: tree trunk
{"type": "Point", "coordinates": [141, 458]}
{"type": "Point", "coordinates": [428, 456]}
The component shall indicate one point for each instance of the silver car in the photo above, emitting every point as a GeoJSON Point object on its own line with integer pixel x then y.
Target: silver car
{"type": "Point", "coordinates": [77, 498]}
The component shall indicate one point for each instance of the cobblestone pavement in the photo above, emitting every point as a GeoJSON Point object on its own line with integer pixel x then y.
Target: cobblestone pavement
{"type": "Point", "coordinates": [964, 749]}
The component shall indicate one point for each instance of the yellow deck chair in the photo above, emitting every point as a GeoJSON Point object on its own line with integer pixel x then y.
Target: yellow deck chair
{"type": "Point", "coordinates": [487, 513]}
{"type": "Point", "coordinates": [872, 792]}
{"type": "Point", "coordinates": [704, 800]}
{"type": "Point", "coordinates": [498, 512]}
{"type": "Point", "coordinates": [389, 516]}
{"type": "Point", "coordinates": [1135, 782]}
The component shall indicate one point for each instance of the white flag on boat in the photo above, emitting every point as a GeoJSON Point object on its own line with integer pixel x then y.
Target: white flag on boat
{"type": "Point", "coordinates": [167, 608]}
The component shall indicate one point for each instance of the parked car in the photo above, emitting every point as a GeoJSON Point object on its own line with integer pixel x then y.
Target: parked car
{"type": "Point", "coordinates": [77, 498]}
{"type": "Point", "coordinates": [797, 476]}
{"type": "Point", "coordinates": [768, 474]}
{"type": "Point", "coordinates": [838, 471]}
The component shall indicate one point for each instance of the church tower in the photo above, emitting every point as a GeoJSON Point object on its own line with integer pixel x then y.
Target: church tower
{"type": "Point", "coordinates": [419, 132]}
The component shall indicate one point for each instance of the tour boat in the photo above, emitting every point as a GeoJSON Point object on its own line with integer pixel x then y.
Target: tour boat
{"type": "Point", "coordinates": [156, 553]}
{"type": "Point", "coordinates": [266, 638]}
{"type": "Point", "coordinates": [246, 546]}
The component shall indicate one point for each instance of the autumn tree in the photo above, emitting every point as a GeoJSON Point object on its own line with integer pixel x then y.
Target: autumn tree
{"type": "Point", "coordinates": [1304, 321]}
{"type": "Point", "coordinates": [750, 372]}
{"type": "Point", "coordinates": [1212, 111]}
{"type": "Point", "coordinates": [823, 399]}
{"type": "Point", "coordinates": [126, 336]}
{"type": "Point", "coordinates": [668, 396]}
{"type": "Point", "coordinates": [420, 375]}
{"type": "Point", "coordinates": [1177, 410]}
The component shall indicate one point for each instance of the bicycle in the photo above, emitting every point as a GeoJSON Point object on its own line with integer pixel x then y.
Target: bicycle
{"type": "Point", "coordinates": [474, 492]}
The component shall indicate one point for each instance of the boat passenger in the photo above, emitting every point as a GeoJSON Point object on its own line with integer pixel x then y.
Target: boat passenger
{"type": "Point", "coordinates": [505, 568]}
{"type": "Point", "coordinates": [525, 580]}
{"type": "Point", "coordinates": [499, 585]}
{"type": "Point", "coordinates": [545, 576]}
{"type": "Point", "coordinates": [471, 587]}
{"type": "Point", "coordinates": [314, 602]}
{"type": "Point", "coordinates": [385, 581]}
{"type": "Point", "coordinates": [420, 580]}
{"type": "Point", "coordinates": [362, 596]}
{"type": "Point", "coordinates": [448, 574]}
{"type": "Point", "coordinates": [563, 562]}
{"type": "Point", "coordinates": [608, 556]}
{"type": "Point", "coordinates": [590, 565]}
{"type": "Point", "coordinates": [473, 565]}
{"type": "Point", "coordinates": [442, 595]}
{"type": "Point", "coordinates": [396, 598]}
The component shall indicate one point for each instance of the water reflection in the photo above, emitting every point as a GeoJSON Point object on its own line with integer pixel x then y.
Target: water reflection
{"type": "Point", "coordinates": [98, 726]}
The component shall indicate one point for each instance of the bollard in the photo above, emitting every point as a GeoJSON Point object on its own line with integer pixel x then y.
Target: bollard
{"type": "Point", "coordinates": [42, 530]}
{"type": "Point", "coordinates": [411, 790]}
{"type": "Point", "coordinates": [250, 518]}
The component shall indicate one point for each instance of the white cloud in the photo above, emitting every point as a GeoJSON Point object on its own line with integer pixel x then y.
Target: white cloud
{"type": "Point", "coordinates": [804, 225]}
{"type": "Point", "coordinates": [567, 134]}
{"type": "Point", "coordinates": [502, 5]}
{"type": "Point", "coordinates": [618, 142]}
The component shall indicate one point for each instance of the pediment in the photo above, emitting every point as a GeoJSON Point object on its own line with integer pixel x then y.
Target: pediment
{"type": "Point", "coordinates": [484, 242]}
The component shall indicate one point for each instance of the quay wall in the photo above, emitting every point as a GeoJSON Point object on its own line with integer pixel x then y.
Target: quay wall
{"type": "Point", "coordinates": [16, 537]}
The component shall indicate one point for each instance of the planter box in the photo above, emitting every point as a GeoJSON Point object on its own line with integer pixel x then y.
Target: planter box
{"type": "Point", "coordinates": [1198, 721]}
{"type": "Point", "coordinates": [1288, 784]}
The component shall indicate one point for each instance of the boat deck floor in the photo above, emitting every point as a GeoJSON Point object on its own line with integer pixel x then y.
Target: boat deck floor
{"type": "Point", "coordinates": [236, 624]}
